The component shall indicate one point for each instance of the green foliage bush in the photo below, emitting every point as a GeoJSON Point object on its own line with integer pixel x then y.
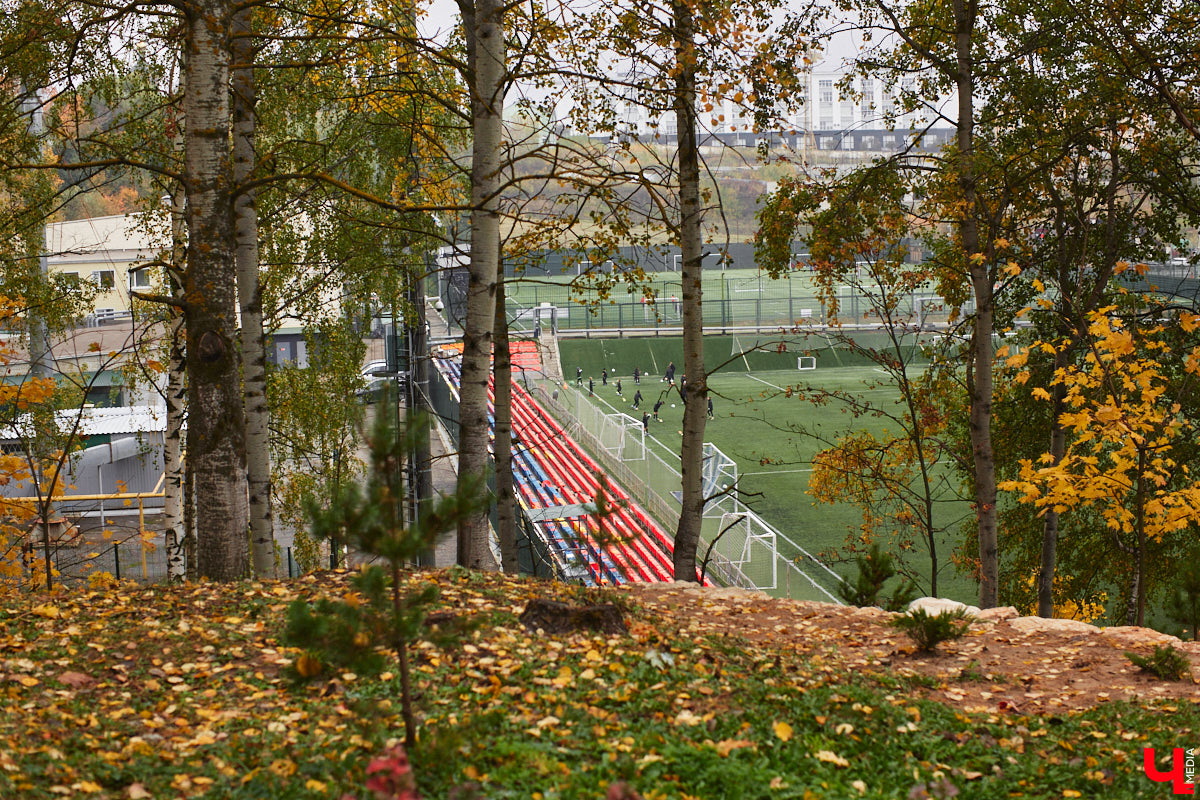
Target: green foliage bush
{"type": "Point", "coordinates": [929, 630]}
{"type": "Point", "coordinates": [335, 633]}
{"type": "Point", "coordinates": [1166, 663]}
{"type": "Point", "coordinates": [876, 568]}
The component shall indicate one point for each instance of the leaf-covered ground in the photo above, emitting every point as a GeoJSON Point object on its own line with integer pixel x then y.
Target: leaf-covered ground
{"type": "Point", "coordinates": [167, 692]}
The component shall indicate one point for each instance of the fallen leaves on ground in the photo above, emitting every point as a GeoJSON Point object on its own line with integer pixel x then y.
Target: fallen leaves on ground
{"type": "Point", "coordinates": [137, 692]}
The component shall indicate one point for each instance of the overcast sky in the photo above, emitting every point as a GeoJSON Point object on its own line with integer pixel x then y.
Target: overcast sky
{"type": "Point", "coordinates": [442, 17]}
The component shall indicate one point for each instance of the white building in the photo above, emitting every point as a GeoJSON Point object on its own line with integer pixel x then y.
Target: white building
{"type": "Point", "coordinates": [865, 117]}
{"type": "Point", "coordinates": [112, 252]}
{"type": "Point", "coordinates": [108, 252]}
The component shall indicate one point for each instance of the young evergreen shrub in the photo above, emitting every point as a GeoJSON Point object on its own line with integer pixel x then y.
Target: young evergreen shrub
{"type": "Point", "coordinates": [355, 632]}
{"type": "Point", "coordinates": [334, 633]}
{"type": "Point", "coordinates": [876, 568]}
{"type": "Point", "coordinates": [1166, 663]}
{"type": "Point", "coordinates": [929, 630]}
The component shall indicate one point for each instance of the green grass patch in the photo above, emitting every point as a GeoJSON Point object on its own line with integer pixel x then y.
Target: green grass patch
{"type": "Point", "coordinates": [756, 424]}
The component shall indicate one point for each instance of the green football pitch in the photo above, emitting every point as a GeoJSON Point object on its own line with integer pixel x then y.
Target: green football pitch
{"type": "Point", "coordinates": [756, 423]}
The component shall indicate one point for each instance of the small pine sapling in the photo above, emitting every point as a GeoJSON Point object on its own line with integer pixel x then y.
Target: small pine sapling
{"type": "Point", "coordinates": [876, 568]}
{"type": "Point", "coordinates": [371, 515]}
{"type": "Point", "coordinates": [1166, 663]}
{"type": "Point", "coordinates": [929, 630]}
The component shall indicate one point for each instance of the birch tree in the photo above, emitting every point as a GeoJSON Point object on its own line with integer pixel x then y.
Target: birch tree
{"type": "Point", "coordinates": [253, 350]}
{"type": "Point", "coordinates": [683, 60]}
{"type": "Point", "coordinates": [216, 423]}
{"type": "Point", "coordinates": [483, 22]}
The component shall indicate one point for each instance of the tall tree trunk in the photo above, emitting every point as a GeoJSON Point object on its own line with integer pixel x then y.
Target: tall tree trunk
{"type": "Point", "coordinates": [189, 521]}
{"type": "Point", "coordinates": [216, 423]}
{"type": "Point", "coordinates": [1140, 529]}
{"type": "Point", "coordinates": [1058, 448]}
{"type": "Point", "coordinates": [980, 421]}
{"type": "Point", "coordinates": [1135, 590]}
{"type": "Point", "coordinates": [485, 41]}
{"type": "Point", "coordinates": [422, 484]}
{"type": "Point", "coordinates": [695, 411]}
{"type": "Point", "coordinates": [506, 502]}
{"type": "Point", "coordinates": [174, 534]}
{"type": "Point", "coordinates": [176, 519]}
{"type": "Point", "coordinates": [254, 359]}
{"type": "Point", "coordinates": [1079, 303]}
{"type": "Point", "coordinates": [173, 531]}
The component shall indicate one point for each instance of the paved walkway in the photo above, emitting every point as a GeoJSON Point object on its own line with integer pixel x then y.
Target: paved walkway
{"type": "Point", "coordinates": [551, 362]}
{"type": "Point", "coordinates": [445, 482]}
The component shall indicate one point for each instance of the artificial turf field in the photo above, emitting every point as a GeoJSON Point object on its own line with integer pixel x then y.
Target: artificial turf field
{"type": "Point", "coordinates": [754, 422]}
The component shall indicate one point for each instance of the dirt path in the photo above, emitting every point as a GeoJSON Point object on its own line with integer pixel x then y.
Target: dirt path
{"type": "Point", "coordinates": [1010, 664]}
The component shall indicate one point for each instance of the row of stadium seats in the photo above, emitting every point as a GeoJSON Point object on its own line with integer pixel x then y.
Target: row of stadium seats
{"type": "Point", "coordinates": [550, 469]}
{"type": "Point", "coordinates": [571, 555]}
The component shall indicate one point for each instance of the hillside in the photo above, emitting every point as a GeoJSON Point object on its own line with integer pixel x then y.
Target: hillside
{"type": "Point", "coordinates": [135, 692]}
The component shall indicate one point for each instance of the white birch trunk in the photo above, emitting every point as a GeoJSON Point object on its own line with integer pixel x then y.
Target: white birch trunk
{"type": "Point", "coordinates": [216, 423]}
{"type": "Point", "coordinates": [173, 533]}
{"type": "Point", "coordinates": [486, 54]}
{"type": "Point", "coordinates": [254, 360]}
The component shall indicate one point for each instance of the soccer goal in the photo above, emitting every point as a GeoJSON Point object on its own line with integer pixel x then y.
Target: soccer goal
{"type": "Point", "coordinates": [805, 363]}
{"type": "Point", "coordinates": [742, 346]}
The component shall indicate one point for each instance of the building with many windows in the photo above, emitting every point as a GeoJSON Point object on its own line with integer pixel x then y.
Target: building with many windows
{"type": "Point", "coordinates": [112, 253]}
{"type": "Point", "coordinates": [864, 117]}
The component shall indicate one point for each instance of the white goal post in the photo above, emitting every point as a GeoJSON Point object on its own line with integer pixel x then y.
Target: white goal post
{"type": "Point", "coordinates": [806, 362]}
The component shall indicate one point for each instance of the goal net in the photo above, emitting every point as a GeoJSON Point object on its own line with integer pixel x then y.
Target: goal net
{"type": "Point", "coordinates": [741, 346]}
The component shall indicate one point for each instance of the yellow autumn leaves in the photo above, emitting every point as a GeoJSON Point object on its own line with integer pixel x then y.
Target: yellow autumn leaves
{"type": "Point", "coordinates": [1125, 426]}
{"type": "Point", "coordinates": [784, 732]}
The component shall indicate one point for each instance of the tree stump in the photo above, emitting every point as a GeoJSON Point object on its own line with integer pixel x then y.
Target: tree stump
{"type": "Point", "coordinates": [553, 616]}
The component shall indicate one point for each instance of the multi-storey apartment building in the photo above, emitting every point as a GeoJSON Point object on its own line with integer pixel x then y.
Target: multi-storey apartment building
{"type": "Point", "coordinates": [863, 116]}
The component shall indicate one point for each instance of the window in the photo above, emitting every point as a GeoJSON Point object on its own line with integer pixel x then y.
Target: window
{"type": "Point", "coordinates": [869, 143]}
{"type": "Point", "coordinates": [826, 88]}
{"type": "Point", "coordinates": [827, 143]}
{"type": "Point", "coordinates": [868, 98]}
{"type": "Point", "coordinates": [890, 142]}
{"type": "Point", "coordinates": [139, 278]}
{"type": "Point", "coordinates": [890, 105]}
{"type": "Point", "coordinates": [105, 279]}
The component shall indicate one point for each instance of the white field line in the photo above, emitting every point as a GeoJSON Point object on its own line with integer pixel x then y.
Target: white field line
{"type": "Point", "coordinates": [768, 383]}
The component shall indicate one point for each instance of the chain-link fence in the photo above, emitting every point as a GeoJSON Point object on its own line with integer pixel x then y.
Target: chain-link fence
{"type": "Point", "coordinates": [730, 305]}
